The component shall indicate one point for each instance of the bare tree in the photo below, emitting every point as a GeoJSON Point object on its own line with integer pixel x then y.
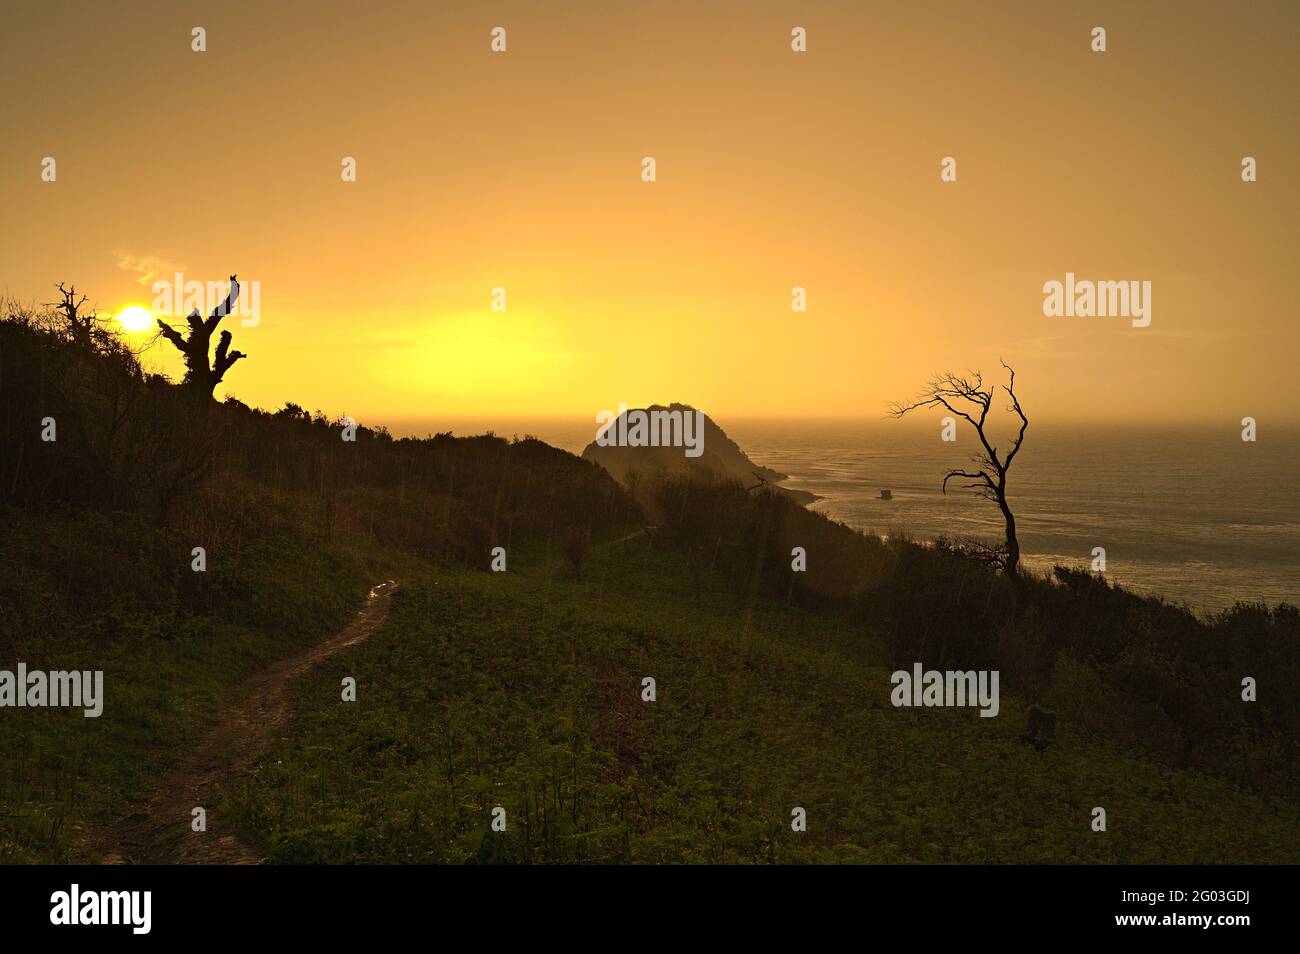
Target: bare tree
{"type": "Point", "coordinates": [967, 398]}
{"type": "Point", "coordinates": [89, 330]}
{"type": "Point", "coordinates": [201, 376]}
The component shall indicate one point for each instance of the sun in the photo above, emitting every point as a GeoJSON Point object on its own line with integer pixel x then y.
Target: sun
{"type": "Point", "coordinates": [135, 318]}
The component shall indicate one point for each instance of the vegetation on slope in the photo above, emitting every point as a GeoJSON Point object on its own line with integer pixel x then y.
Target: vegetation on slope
{"type": "Point", "coordinates": [98, 530]}
{"type": "Point", "coordinates": [523, 689]}
{"type": "Point", "coordinates": [487, 690]}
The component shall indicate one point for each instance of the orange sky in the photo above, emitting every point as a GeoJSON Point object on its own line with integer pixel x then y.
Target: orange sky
{"type": "Point", "coordinates": [775, 169]}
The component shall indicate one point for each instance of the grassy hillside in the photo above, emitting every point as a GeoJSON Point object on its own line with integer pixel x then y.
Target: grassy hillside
{"type": "Point", "coordinates": [97, 534]}
{"type": "Point", "coordinates": [84, 591]}
{"type": "Point", "coordinates": [1133, 669]}
{"type": "Point", "coordinates": [523, 689]}
{"type": "Point", "coordinates": [488, 690]}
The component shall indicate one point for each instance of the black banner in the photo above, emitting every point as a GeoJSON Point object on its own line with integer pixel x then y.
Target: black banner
{"type": "Point", "coordinates": [144, 903]}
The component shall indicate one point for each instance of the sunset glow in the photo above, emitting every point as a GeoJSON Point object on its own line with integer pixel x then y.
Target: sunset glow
{"type": "Point", "coordinates": [775, 170]}
{"type": "Point", "coordinates": [135, 318]}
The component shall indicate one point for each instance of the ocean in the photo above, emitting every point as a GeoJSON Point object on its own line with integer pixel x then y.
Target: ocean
{"type": "Point", "coordinates": [1192, 514]}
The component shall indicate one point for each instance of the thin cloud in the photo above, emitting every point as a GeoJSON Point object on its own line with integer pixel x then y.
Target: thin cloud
{"type": "Point", "coordinates": [147, 266]}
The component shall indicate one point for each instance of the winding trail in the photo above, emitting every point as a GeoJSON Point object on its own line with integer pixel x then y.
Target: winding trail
{"type": "Point", "coordinates": [159, 831]}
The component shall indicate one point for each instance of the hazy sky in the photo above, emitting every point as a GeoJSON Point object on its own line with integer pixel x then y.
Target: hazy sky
{"type": "Point", "coordinates": [775, 169]}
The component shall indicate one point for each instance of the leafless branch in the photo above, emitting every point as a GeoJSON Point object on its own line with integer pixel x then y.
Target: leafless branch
{"type": "Point", "coordinates": [968, 398]}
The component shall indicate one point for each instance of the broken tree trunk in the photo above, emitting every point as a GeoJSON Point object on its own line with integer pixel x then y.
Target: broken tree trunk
{"type": "Point", "coordinates": [201, 376]}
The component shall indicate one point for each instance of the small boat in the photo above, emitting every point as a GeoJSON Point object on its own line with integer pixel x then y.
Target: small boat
{"type": "Point", "coordinates": [886, 494]}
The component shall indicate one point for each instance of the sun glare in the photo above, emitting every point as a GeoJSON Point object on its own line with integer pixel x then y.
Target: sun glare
{"type": "Point", "coordinates": [135, 318]}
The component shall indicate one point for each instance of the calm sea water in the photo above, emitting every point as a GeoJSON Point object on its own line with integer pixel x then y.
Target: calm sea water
{"type": "Point", "coordinates": [1195, 515]}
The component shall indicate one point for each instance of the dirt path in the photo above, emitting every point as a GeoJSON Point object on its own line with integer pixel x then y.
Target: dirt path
{"type": "Point", "coordinates": [159, 831]}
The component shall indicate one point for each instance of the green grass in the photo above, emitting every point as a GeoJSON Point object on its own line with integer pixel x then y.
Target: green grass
{"type": "Point", "coordinates": [524, 692]}
{"type": "Point", "coordinates": [166, 671]}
